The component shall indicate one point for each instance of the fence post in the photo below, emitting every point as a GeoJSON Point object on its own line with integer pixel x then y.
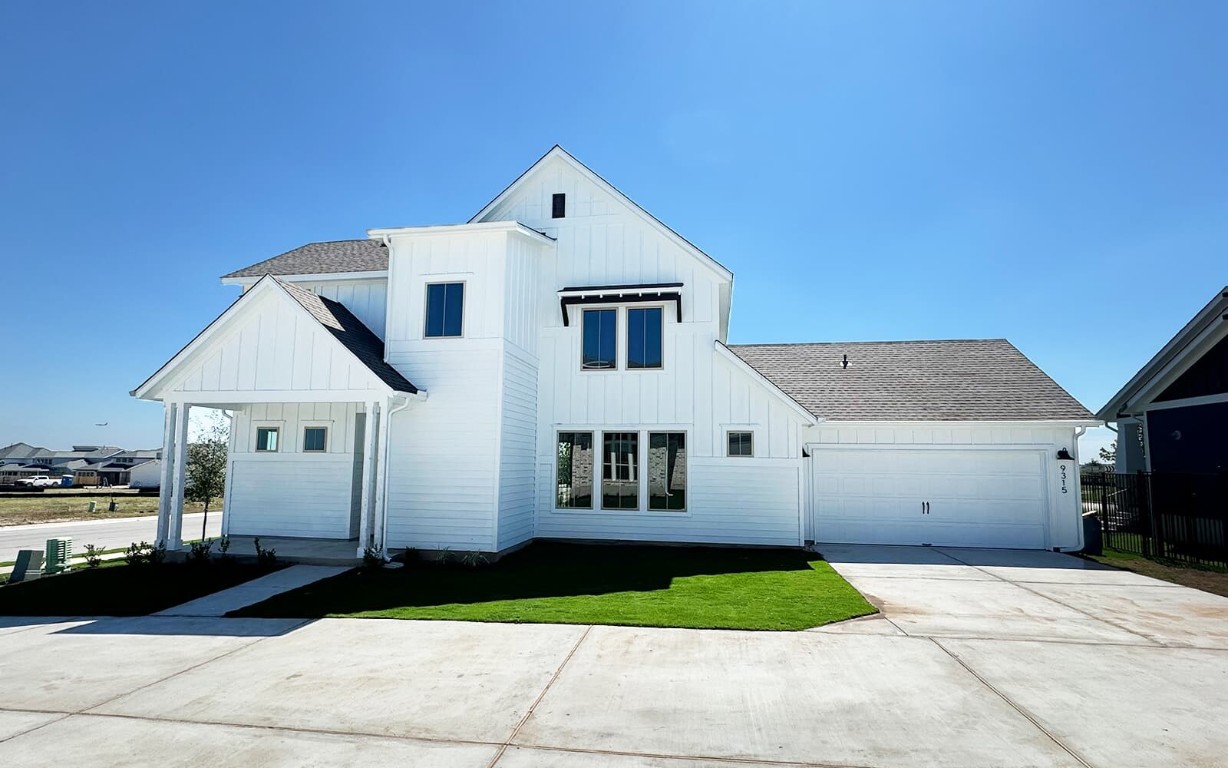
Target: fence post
{"type": "Point", "coordinates": [1155, 545]}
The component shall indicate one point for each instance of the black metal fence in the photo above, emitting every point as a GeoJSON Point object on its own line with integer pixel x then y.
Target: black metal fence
{"type": "Point", "coordinates": [1162, 515]}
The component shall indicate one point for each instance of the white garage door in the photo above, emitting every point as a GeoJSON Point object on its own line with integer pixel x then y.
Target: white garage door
{"type": "Point", "coordinates": [943, 497]}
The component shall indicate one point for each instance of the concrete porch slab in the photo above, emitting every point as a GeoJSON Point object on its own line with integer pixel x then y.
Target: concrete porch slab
{"type": "Point", "coordinates": [255, 591]}
{"type": "Point", "coordinates": [297, 550]}
{"type": "Point", "coordinates": [1125, 707]}
{"type": "Point", "coordinates": [435, 680]}
{"type": "Point", "coordinates": [93, 740]}
{"type": "Point", "coordinates": [790, 697]}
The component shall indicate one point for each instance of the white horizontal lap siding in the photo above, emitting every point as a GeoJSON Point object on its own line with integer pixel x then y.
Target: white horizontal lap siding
{"type": "Point", "coordinates": [365, 299]}
{"type": "Point", "coordinates": [441, 469]}
{"type": "Point", "coordinates": [517, 449]}
{"type": "Point", "coordinates": [288, 495]}
{"type": "Point", "coordinates": [729, 501]}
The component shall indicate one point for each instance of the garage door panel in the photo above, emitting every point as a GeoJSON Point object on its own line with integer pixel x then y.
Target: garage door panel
{"type": "Point", "coordinates": [980, 498]}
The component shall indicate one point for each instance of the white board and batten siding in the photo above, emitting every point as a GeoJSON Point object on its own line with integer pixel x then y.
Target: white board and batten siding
{"type": "Point", "coordinates": [288, 492]}
{"type": "Point", "coordinates": [458, 462]}
{"type": "Point", "coordinates": [971, 485]}
{"type": "Point", "coordinates": [366, 299]}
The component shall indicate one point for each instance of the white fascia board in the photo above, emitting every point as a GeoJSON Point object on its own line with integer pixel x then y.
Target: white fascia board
{"type": "Point", "coordinates": [514, 227]}
{"type": "Point", "coordinates": [1172, 353]}
{"type": "Point", "coordinates": [720, 270]}
{"type": "Point", "coordinates": [808, 418]}
{"type": "Point", "coordinates": [312, 277]}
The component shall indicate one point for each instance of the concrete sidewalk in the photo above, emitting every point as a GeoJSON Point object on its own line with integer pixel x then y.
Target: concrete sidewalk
{"type": "Point", "coordinates": [254, 591]}
{"type": "Point", "coordinates": [983, 659]}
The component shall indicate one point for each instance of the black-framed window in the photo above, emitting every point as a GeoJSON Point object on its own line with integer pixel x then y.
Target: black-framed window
{"type": "Point", "coordinates": [600, 340]}
{"type": "Point", "coordinates": [644, 328]}
{"type": "Point", "coordinates": [315, 439]}
{"type": "Point", "coordinates": [266, 439]}
{"type": "Point", "coordinates": [445, 310]}
{"type": "Point", "coordinates": [620, 470]}
{"type": "Point", "coordinates": [575, 471]}
{"type": "Point", "coordinates": [667, 470]}
{"type": "Point", "coordinates": [741, 444]}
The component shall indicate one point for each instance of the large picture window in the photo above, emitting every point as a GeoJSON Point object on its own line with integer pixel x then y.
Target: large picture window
{"type": "Point", "coordinates": [575, 471]}
{"type": "Point", "coordinates": [600, 339]}
{"type": "Point", "coordinates": [445, 309]}
{"type": "Point", "coordinates": [644, 337]}
{"type": "Point", "coordinates": [620, 475]}
{"type": "Point", "coordinates": [667, 470]}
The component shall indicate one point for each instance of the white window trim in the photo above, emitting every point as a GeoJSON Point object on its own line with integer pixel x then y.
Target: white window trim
{"type": "Point", "coordinates": [256, 437]}
{"type": "Point", "coordinates": [750, 432]}
{"type": "Point", "coordinates": [426, 307]}
{"type": "Point", "coordinates": [303, 443]}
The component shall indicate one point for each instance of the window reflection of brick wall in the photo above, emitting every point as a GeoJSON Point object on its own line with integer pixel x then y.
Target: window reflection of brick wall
{"type": "Point", "coordinates": [659, 465]}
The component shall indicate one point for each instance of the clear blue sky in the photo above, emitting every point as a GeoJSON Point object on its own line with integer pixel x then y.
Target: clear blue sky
{"type": "Point", "coordinates": [867, 170]}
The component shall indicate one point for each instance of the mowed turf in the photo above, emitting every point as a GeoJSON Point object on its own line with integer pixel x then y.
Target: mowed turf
{"type": "Point", "coordinates": [699, 587]}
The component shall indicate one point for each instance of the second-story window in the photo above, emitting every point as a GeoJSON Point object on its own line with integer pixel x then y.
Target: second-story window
{"type": "Point", "coordinates": [644, 337]}
{"type": "Point", "coordinates": [445, 310]}
{"type": "Point", "coordinates": [600, 340]}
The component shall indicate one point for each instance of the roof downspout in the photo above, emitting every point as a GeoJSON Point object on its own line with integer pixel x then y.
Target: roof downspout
{"type": "Point", "coordinates": [385, 452]}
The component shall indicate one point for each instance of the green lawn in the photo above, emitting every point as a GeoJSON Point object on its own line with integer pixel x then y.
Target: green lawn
{"type": "Point", "coordinates": [717, 588]}
{"type": "Point", "coordinates": [118, 589]}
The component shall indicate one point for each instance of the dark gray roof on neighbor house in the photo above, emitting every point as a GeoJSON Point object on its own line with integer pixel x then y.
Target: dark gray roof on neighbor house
{"type": "Point", "coordinates": [966, 380]}
{"type": "Point", "coordinates": [322, 258]}
{"type": "Point", "coordinates": [350, 331]}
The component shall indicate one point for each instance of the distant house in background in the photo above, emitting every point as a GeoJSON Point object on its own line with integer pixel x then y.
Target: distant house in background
{"type": "Point", "coordinates": [90, 465]}
{"type": "Point", "coordinates": [147, 476]}
{"type": "Point", "coordinates": [1173, 415]}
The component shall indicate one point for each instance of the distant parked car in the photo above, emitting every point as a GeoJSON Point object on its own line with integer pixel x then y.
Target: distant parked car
{"type": "Point", "coordinates": [38, 481]}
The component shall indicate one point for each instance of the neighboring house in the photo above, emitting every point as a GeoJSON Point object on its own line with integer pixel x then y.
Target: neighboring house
{"type": "Point", "coordinates": [558, 367]}
{"type": "Point", "coordinates": [1172, 416]}
{"type": "Point", "coordinates": [146, 476]}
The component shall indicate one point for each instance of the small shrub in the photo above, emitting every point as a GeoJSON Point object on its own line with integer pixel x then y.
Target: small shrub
{"type": "Point", "coordinates": [137, 553]}
{"type": "Point", "coordinates": [93, 556]}
{"type": "Point", "coordinates": [265, 557]}
{"type": "Point", "coordinates": [223, 546]}
{"type": "Point", "coordinates": [200, 551]}
{"type": "Point", "coordinates": [157, 555]}
{"type": "Point", "coordinates": [372, 557]}
{"type": "Point", "coordinates": [473, 560]}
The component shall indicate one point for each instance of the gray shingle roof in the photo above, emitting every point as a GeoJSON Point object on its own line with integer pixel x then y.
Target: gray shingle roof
{"type": "Point", "coordinates": [322, 258]}
{"type": "Point", "coordinates": [350, 331]}
{"type": "Point", "coordinates": [966, 380]}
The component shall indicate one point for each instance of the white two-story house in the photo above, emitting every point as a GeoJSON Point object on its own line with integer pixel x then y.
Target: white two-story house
{"type": "Point", "coordinates": [558, 367]}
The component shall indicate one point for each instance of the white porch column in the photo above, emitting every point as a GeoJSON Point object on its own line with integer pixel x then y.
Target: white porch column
{"type": "Point", "coordinates": [168, 457]}
{"type": "Point", "coordinates": [369, 454]}
{"type": "Point", "coordinates": [174, 536]}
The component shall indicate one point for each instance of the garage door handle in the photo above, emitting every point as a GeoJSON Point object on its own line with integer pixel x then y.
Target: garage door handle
{"type": "Point", "coordinates": [925, 507]}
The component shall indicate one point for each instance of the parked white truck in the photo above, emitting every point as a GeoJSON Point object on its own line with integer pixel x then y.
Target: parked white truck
{"type": "Point", "coordinates": [38, 481]}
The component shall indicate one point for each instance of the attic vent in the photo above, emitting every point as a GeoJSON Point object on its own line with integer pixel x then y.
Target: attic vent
{"type": "Point", "coordinates": [558, 206]}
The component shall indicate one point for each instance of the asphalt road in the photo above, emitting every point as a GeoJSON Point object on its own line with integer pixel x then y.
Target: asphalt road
{"type": "Point", "coordinates": [108, 534]}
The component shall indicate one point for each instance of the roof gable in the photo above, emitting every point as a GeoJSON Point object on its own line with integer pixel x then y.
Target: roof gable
{"type": "Point", "coordinates": [963, 380]}
{"type": "Point", "coordinates": [509, 205]}
{"type": "Point", "coordinates": [278, 337]}
{"type": "Point", "coordinates": [1183, 351]}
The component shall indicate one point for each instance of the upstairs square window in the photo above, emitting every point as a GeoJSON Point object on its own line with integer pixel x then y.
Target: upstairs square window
{"type": "Point", "coordinates": [644, 337]}
{"type": "Point", "coordinates": [558, 206]}
{"type": "Point", "coordinates": [445, 309]}
{"type": "Point", "coordinates": [600, 340]}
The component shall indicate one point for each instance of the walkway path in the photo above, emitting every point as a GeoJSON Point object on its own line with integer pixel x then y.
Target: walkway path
{"type": "Point", "coordinates": [254, 591]}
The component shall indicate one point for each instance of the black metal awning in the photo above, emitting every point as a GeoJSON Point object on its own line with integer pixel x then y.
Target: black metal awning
{"type": "Point", "coordinates": [620, 294]}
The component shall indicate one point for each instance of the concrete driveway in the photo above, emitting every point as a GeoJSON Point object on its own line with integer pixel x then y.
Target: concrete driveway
{"type": "Point", "coordinates": [981, 659]}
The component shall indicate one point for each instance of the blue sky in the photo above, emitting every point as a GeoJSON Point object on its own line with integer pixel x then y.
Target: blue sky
{"type": "Point", "coordinates": [1050, 172]}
